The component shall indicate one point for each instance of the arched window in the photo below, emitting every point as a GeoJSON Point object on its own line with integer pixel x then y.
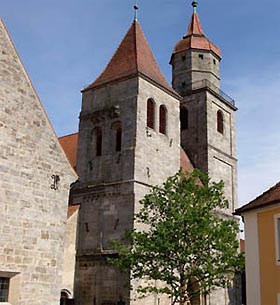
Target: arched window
{"type": "Point", "coordinates": [151, 113]}
{"type": "Point", "coordinates": [184, 118]}
{"type": "Point", "coordinates": [64, 297]}
{"type": "Point", "coordinates": [220, 122]}
{"type": "Point", "coordinates": [98, 141]}
{"type": "Point", "coordinates": [162, 119]}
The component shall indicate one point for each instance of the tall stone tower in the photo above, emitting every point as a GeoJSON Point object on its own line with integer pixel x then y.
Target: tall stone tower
{"type": "Point", "coordinates": [129, 139]}
{"type": "Point", "coordinates": [206, 113]}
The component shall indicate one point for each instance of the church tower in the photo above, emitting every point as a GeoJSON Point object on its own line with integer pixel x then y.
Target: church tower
{"type": "Point", "coordinates": [129, 140]}
{"type": "Point", "coordinates": [207, 114]}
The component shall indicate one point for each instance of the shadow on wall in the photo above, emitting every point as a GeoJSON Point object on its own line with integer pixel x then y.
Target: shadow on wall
{"type": "Point", "coordinates": [237, 293]}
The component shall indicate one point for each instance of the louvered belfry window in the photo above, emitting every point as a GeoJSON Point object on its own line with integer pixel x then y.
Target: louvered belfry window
{"type": "Point", "coordinates": [162, 119]}
{"type": "Point", "coordinates": [220, 122]}
{"type": "Point", "coordinates": [151, 113]}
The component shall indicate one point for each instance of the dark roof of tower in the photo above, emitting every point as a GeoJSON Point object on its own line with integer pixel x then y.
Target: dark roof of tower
{"type": "Point", "coordinates": [196, 39]}
{"type": "Point", "coordinates": [271, 196]}
{"type": "Point", "coordinates": [133, 57]}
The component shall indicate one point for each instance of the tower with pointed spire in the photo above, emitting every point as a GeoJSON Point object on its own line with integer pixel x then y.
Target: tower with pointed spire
{"type": "Point", "coordinates": [207, 118]}
{"type": "Point", "coordinates": [129, 140]}
{"type": "Point", "coordinates": [195, 58]}
{"type": "Point", "coordinates": [207, 114]}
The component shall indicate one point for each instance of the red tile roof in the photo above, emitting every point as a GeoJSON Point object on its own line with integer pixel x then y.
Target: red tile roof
{"type": "Point", "coordinates": [72, 209]}
{"type": "Point", "coordinates": [133, 57]}
{"type": "Point", "coordinates": [268, 198]}
{"type": "Point", "coordinates": [69, 144]}
{"type": "Point", "coordinates": [186, 163]}
{"type": "Point", "coordinates": [196, 39]}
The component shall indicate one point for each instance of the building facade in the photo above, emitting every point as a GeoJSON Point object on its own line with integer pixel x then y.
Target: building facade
{"type": "Point", "coordinates": [262, 247]}
{"type": "Point", "coordinates": [35, 178]}
{"type": "Point", "coordinates": [135, 131]}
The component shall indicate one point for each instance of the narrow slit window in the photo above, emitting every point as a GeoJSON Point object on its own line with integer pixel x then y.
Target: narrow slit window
{"type": "Point", "coordinates": [201, 56]}
{"type": "Point", "coordinates": [151, 114]}
{"type": "Point", "coordinates": [184, 118]}
{"type": "Point", "coordinates": [119, 139]}
{"type": "Point", "coordinates": [98, 141]}
{"type": "Point", "coordinates": [162, 119]}
{"type": "Point", "coordinates": [220, 122]}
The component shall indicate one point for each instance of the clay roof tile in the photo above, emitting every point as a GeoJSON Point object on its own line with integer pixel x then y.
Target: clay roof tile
{"type": "Point", "coordinates": [196, 39]}
{"type": "Point", "coordinates": [271, 196]}
{"type": "Point", "coordinates": [69, 144]}
{"type": "Point", "coordinates": [133, 57]}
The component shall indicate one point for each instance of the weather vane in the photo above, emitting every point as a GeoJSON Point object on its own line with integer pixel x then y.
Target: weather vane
{"type": "Point", "coordinates": [135, 11]}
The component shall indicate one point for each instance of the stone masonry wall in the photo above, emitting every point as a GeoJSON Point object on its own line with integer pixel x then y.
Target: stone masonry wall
{"type": "Point", "coordinates": [32, 215]}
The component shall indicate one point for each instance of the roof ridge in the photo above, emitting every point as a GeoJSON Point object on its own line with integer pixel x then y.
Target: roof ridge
{"type": "Point", "coordinates": [259, 201]}
{"type": "Point", "coordinates": [68, 135]}
{"type": "Point", "coordinates": [275, 186]}
{"type": "Point", "coordinates": [136, 44]}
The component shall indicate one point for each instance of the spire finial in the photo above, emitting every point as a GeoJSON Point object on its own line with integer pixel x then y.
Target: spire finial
{"type": "Point", "coordinates": [194, 4]}
{"type": "Point", "coordinates": [135, 11]}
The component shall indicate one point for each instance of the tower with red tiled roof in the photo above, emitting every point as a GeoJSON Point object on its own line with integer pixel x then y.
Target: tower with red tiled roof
{"type": "Point", "coordinates": [195, 58]}
{"type": "Point", "coordinates": [129, 140]}
{"type": "Point", "coordinates": [207, 115]}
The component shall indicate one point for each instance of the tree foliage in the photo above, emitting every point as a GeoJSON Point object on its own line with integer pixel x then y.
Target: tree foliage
{"type": "Point", "coordinates": [186, 244]}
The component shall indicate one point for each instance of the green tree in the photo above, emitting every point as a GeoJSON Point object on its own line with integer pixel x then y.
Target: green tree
{"type": "Point", "coordinates": [187, 244]}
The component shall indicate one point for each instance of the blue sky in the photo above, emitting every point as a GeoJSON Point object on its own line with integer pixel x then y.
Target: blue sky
{"type": "Point", "coordinates": [65, 45]}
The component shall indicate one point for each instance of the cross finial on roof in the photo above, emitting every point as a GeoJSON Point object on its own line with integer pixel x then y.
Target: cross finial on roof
{"type": "Point", "coordinates": [135, 11]}
{"type": "Point", "coordinates": [194, 4]}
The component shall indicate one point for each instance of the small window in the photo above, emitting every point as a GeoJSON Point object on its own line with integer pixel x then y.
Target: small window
{"type": "Point", "coordinates": [220, 122]}
{"type": "Point", "coordinates": [151, 113]}
{"type": "Point", "coordinates": [119, 139]}
{"type": "Point", "coordinates": [214, 61]}
{"type": "Point", "coordinates": [4, 289]}
{"type": "Point", "coordinates": [201, 56]}
{"type": "Point", "coordinates": [117, 135]}
{"type": "Point", "coordinates": [98, 141]}
{"type": "Point", "coordinates": [183, 58]}
{"type": "Point", "coordinates": [184, 118]}
{"type": "Point", "coordinates": [162, 119]}
{"type": "Point", "coordinates": [184, 84]}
